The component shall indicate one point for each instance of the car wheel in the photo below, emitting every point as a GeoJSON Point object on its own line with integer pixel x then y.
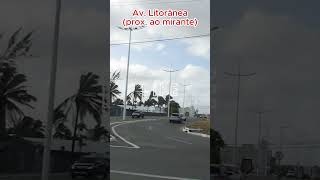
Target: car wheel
{"type": "Point", "coordinates": [132, 117]}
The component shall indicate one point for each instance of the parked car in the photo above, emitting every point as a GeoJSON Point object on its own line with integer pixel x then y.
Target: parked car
{"type": "Point", "coordinates": [175, 118]}
{"type": "Point", "coordinates": [291, 173]}
{"type": "Point", "coordinates": [224, 172]}
{"type": "Point", "coordinates": [137, 114]}
{"type": "Point", "coordinates": [91, 166]}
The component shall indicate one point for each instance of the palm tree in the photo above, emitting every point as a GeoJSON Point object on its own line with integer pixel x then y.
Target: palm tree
{"type": "Point", "coordinates": [12, 92]}
{"type": "Point", "coordinates": [13, 95]}
{"type": "Point", "coordinates": [136, 94]}
{"type": "Point", "coordinates": [16, 47]}
{"type": "Point", "coordinates": [114, 88]}
{"type": "Point", "coordinates": [62, 132]}
{"type": "Point", "coordinates": [161, 102]}
{"type": "Point", "coordinates": [86, 101]}
{"type": "Point", "coordinates": [28, 127]}
{"type": "Point", "coordinates": [99, 132]}
{"type": "Point", "coordinates": [216, 143]}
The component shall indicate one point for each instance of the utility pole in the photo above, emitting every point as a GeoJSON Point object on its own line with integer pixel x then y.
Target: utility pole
{"type": "Point", "coordinates": [259, 143]}
{"type": "Point", "coordinates": [238, 75]}
{"type": "Point", "coordinates": [130, 29]}
{"type": "Point", "coordinates": [184, 95]}
{"type": "Point", "coordinates": [280, 146]}
{"type": "Point", "coordinates": [50, 115]}
{"type": "Point", "coordinates": [169, 71]}
{"type": "Point", "coordinates": [260, 114]}
{"type": "Point", "coordinates": [213, 73]}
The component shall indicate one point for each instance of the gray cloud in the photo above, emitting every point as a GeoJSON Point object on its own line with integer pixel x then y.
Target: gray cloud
{"type": "Point", "coordinates": [276, 43]}
{"type": "Point", "coordinates": [83, 43]}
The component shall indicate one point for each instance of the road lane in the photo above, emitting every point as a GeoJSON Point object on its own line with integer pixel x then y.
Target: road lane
{"type": "Point", "coordinates": [164, 150]}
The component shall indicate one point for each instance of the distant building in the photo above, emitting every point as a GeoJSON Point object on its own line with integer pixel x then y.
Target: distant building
{"type": "Point", "coordinates": [250, 151]}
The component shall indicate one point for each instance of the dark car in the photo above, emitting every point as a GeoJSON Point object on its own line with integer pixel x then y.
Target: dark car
{"type": "Point", "coordinates": [137, 114]}
{"type": "Point", "coordinates": [224, 172]}
{"type": "Point", "coordinates": [91, 166]}
{"type": "Point", "coordinates": [175, 118]}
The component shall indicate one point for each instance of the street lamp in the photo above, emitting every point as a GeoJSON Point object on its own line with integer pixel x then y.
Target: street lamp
{"type": "Point", "coordinates": [50, 115]}
{"type": "Point", "coordinates": [130, 29]}
{"type": "Point", "coordinates": [170, 71]}
{"type": "Point", "coordinates": [260, 113]}
{"type": "Point", "coordinates": [238, 75]}
{"type": "Point", "coordinates": [184, 94]}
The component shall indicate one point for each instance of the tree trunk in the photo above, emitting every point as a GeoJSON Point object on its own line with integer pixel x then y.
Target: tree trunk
{"type": "Point", "coordinates": [75, 129]}
{"type": "Point", "coordinates": [2, 118]}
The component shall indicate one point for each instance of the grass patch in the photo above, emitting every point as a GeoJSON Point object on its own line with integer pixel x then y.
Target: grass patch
{"type": "Point", "coordinates": [203, 124]}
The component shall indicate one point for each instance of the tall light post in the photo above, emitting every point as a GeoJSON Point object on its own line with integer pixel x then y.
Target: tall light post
{"type": "Point", "coordinates": [184, 95]}
{"type": "Point", "coordinates": [130, 29]}
{"type": "Point", "coordinates": [50, 115]}
{"type": "Point", "coordinates": [238, 75]}
{"type": "Point", "coordinates": [281, 141]}
{"type": "Point", "coordinates": [259, 143]}
{"type": "Point", "coordinates": [214, 72]}
{"type": "Point", "coordinates": [169, 71]}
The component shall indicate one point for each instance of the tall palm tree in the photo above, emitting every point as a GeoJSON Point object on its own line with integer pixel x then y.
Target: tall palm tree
{"type": "Point", "coordinates": [114, 88]}
{"type": "Point", "coordinates": [16, 47]}
{"type": "Point", "coordinates": [13, 95]}
{"type": "Point", "coordinates": [86, 101]}
{"type": "Point", "coordinates": [136, 94]}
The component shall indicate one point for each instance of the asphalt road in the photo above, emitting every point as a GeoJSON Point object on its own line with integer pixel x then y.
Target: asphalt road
{"type": "Point", "coordinates": [157, 150]}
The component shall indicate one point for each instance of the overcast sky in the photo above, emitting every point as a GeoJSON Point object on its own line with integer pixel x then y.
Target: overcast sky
{"type": "Point", "coordinates": [190, 56]}
{"type": "Point", "coordinates": [83, 44]}
{"type": "Point", "coordinates": [278, 40]}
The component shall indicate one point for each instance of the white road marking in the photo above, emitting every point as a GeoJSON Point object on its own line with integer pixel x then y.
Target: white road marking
{"type": "Point", "coordinates": [150, 175]}
{"type": "Point", "coordinates": [178, 140]}
{"type": "Point", "coordinates": [132, 145]}
{"type": "Point", "coordinates": [128, 147]}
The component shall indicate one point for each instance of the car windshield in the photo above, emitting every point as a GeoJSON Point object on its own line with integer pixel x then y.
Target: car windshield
{"type": "Point", "coordinates": [176, 115]}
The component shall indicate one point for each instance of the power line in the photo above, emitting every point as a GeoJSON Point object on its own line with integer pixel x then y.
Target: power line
{"type": "Point", "coordinates": [158, 40]}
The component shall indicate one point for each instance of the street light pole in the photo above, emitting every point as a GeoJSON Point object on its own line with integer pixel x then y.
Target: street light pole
{"type": "Point", "coordinates": [184, 95]}
{"type": "Point", "coordinates": [130, 29]}
{"type": "Point", "coordinates": [259, 143]}
{"type": "Point", "coordinates": [238, 75]}
{"type": "Point", "coordinates": [170, 71]}
{"type": "Point", "coordinates": [50, 115]}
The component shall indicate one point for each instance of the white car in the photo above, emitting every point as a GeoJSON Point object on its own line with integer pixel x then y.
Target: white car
{"type": "Point", "coordinates": [291, 173]}
{"type": "Point", "coordinates": [175, 118]}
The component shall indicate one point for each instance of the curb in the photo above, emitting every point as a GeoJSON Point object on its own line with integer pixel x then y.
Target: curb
{"type": "Point", "coordinates": [187, 130]}
{"type": "Point", "coordinates": [112, 138]}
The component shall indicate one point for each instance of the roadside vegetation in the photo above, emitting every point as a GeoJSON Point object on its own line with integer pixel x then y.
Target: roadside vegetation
{"type": "Point", "coordinates": [201, 123]}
